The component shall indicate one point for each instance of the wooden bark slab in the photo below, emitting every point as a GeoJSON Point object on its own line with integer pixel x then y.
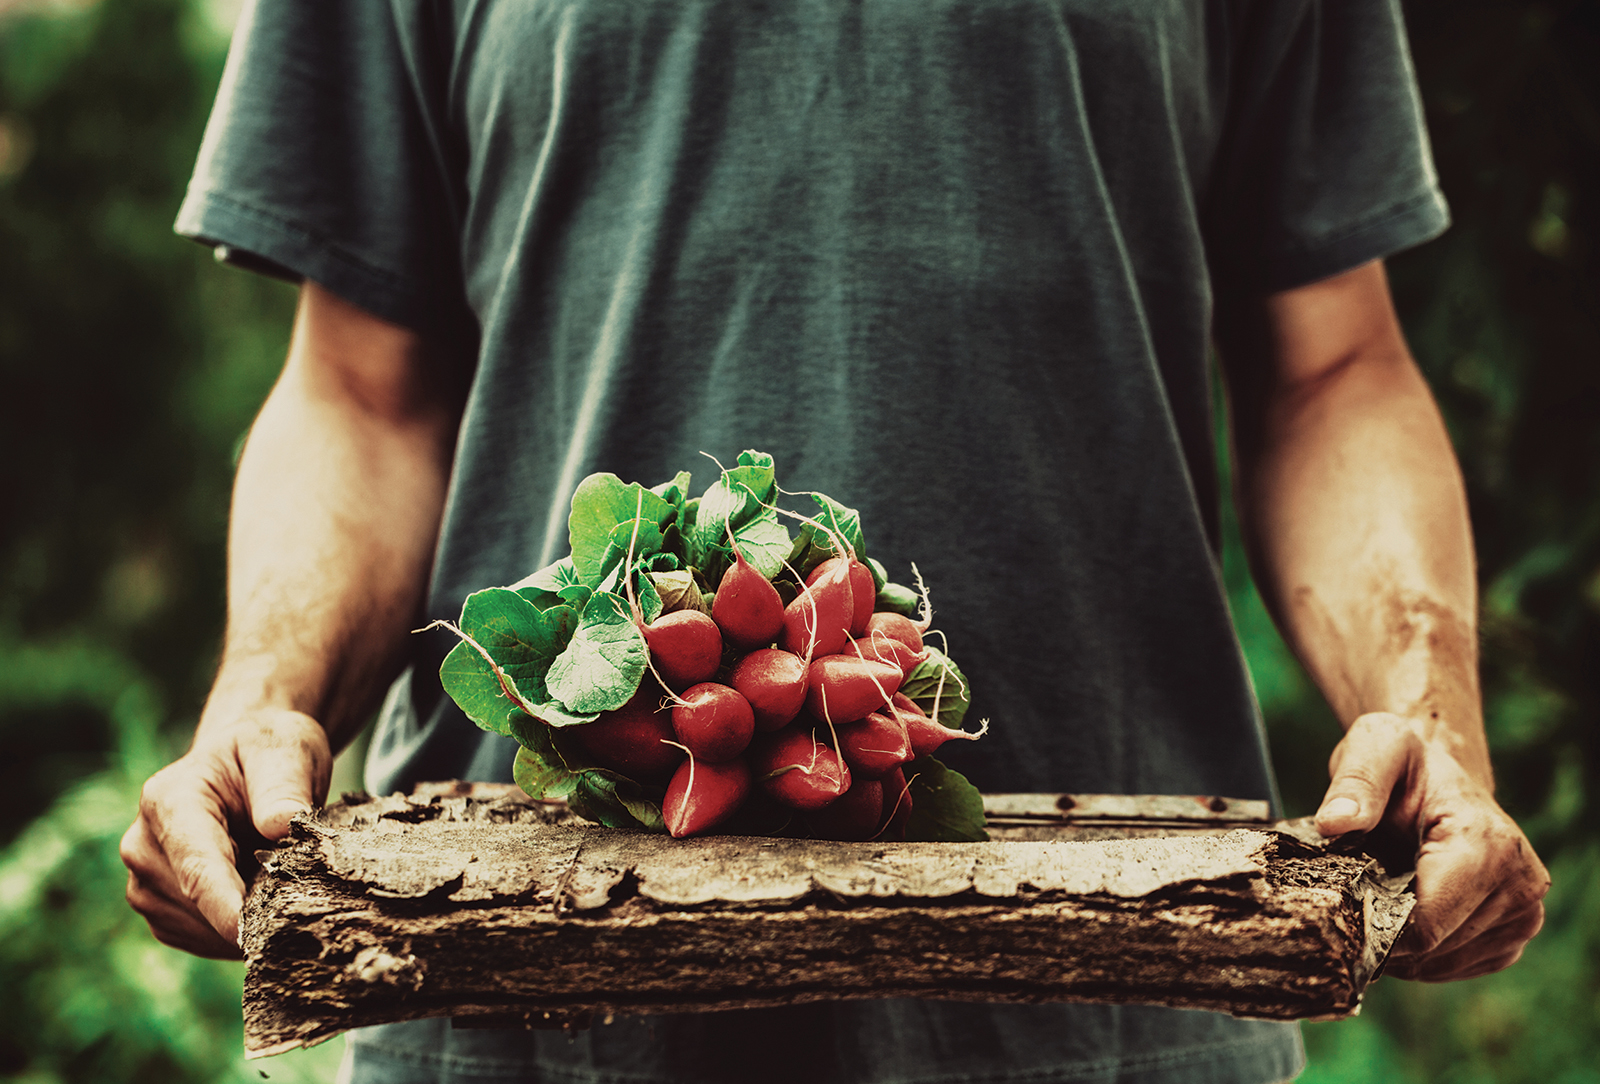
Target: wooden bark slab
{"type": "Point", "coordinates": [476, 903]}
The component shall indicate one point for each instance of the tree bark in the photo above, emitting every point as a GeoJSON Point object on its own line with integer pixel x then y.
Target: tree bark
{"type": "Point", "coordinates": [474, 902]}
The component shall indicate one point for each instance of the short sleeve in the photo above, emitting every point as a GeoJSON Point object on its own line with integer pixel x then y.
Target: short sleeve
{"type": "Point", "coordinates": [327, 157]}
{"type": "Point", "coordinates": [1324, 163]}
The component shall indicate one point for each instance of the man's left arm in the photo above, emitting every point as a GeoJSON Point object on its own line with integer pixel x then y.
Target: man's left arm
{"type": "Point", "coordinates": [1356, 521]}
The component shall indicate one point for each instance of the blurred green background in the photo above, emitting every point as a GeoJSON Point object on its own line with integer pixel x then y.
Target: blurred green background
{"type": "Point", "coordinates": [131, 365]}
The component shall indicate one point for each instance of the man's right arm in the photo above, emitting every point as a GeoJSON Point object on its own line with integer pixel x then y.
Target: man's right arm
{"type": "Point", "coordinates": [335, 517]}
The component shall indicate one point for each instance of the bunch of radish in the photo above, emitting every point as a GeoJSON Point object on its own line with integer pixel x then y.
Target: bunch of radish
{"type": "Point", "coordinates": [806, 706]}
{"type": "Point", "coordinates": [751, 712]}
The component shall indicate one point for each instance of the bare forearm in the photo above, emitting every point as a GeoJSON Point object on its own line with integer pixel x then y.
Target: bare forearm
{"type": "Point", "coordinates": [1363, 547]}
{"type": "Point", "coordinates": [1357, 519]}
{"type": "Point", "coordinates": [335, 513]}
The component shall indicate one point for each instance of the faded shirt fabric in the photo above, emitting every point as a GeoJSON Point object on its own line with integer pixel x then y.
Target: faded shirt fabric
{"type": "Point", "coordinates": [950, 261]}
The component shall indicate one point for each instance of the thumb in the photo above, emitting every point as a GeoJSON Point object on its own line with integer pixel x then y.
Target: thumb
{"type": "Point", "coordinates": [286, 762]}
{"type": "Point", "coordinates": [1365, 766]}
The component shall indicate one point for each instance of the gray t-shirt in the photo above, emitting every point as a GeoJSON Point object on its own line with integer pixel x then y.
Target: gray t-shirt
{"type": "Point", "coordinates": [950, 261]}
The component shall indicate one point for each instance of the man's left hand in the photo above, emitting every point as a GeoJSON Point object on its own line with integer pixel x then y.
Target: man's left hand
{"type": "Point", "coordinates": [1479, 884]}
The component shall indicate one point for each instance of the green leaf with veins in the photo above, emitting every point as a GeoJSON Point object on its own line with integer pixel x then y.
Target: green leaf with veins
{"type": "Point", "coordinates": [813, 545]}
{"type": "Point", "coordinates": [945, 808]}
{"type": "Point", "coordinates": [555, 714]}
{"type": "Point", "coordinates": [937, 683]}
{"type": "Point", "coordinates": [475, 688]}
{"type": "Point", "coordinates": [754, 471]}
{"type": "Point", "coordinates": [601, 502]}
{"type": "Point", "coordinates": [650, 604]}
{"type": "Point", "coordinates": [615, 801]}
{"type": "Point", "coordinates": [880, 575]}
{"type": "Point", "coordinates": [641, 536]}
{"type": "Point", "coordinates": [662, 562]}
{"type": "Point", "coordinates": [546, 587]}
{"type": "Point", "coordinates": [841, 521]}
{"type": "Point", "coordinates": [550, 766]}
{"type": "Point", "coordinates": [675, 492]}
{"type": "Point", "coordinates": [601, 667]}
{"type": "Point", "coordinates": [522, 640]}
{"type": "Point", "coordinates": [539, 775]}
{"type": "Point", "coordinates": [764, 541]}
{"type": "Point", "coordinates": [677, 591]}
{"type": "Point", "coordinates": [740, 495]}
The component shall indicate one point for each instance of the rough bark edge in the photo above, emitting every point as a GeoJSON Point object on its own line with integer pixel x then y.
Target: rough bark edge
{"type": "Point", "coordinates": [1362, 927]}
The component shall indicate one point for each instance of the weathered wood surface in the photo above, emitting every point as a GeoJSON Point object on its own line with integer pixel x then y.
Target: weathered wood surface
{"type": "Point", "coordinates": [477, 903]}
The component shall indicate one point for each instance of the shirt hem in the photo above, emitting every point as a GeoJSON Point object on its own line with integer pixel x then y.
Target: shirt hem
{"type": "Point", "coordinates": [1398, 227]}
{"type": "Point", "coordinates": [259, 240]}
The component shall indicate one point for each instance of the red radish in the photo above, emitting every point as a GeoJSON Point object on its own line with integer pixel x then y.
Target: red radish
{"type": "Point", "coordinates": [856, 816]}
{"type": "Point", "coordinates": [817, 622]}
{"type": "Point", "coordinates": [896, 805]}
{"type": "Point", "coordinates": [685, 647]}
{"type": "Point", "coordinates": [702, 796]}
{"type": "Point", "coordinates": [876, 745]}
{"type": "Point", "coordinates": [899, 627]}
{"type": "Point", "coordinates": [798, 770]}
{"type": "Point", "coordinates": [714, 722]}
{"type": "Point", "coordinates": [863, 594]}
{"type": "Point", "coordinates": [747, 608]}
{"type": "Point", "coordinates": [844, 688]}
{"type": "Point", "coordinates": [883, 649]}
{"type": "Point", "coordinates": [926, 734]}
{"type": "Point", "coordinates": [774, 682]}
{"type": "Point", "coordinates": [633, 738]}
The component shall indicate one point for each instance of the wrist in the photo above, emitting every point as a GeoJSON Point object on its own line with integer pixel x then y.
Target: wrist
{"type": "Point", "coordinates": [1456, 738]}
{"type": "Point", "coordinates": [243, 697]}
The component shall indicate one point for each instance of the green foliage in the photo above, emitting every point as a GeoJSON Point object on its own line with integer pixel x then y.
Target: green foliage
{"type": "Point", "coordinates": [523, 641]}
{"type": "Point", "coordinates": [548, 765]}
{"type": "Point", "coordinates": [938, 688]}
{"type": "Point", "coordinates": [604, 511]}
{"type": "Point", "coordinates": [737, 502]}
{"type": "Point", "coordinates": [945, 808]}
{"type": "Point", "coordinates": [602, 666]}
{"type": "Point", "coordinates": [899, 598]}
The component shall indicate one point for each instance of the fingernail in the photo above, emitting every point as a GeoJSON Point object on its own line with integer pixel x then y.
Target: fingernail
{"type": "Point", "coordinates": [1339, 807]}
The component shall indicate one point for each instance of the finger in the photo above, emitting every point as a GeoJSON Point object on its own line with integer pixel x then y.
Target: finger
{"type": "Point", "coordinates": [1376, 751]}
{"type": "Point", "coordinates": [146, 863]}
{"type": "Point", "coordinates": [1457, 967]}
{"type": "Point", "coordinates": [173, 924]}
{"type": "Point", "coordinates": [1470, 862]}
{"type": "Point", "coordinates": [154, 893]}
{"type": "Point", "coordinates": [189, 824]}
{"type": "Point", "coordinates": [1495, 948]}
{"type": "Point", "coordinates": [1496, 926]}
{"type": "Point", "coordinates": [286, 763]}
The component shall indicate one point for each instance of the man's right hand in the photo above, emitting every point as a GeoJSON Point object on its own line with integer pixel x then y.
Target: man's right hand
{"type": "Point", "coordinates": [336, 510]}
{"type": "Point", "coordinates": [182, 858]}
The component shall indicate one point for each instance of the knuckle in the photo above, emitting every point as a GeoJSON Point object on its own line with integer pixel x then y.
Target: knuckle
{"type": "Point", "coordinates": [153, 795]}
{"type": "Point", "coordinates": [128, 848]}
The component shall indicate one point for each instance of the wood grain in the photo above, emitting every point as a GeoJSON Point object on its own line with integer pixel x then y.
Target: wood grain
{"type": "Point", "coordinates": [477, 903]}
